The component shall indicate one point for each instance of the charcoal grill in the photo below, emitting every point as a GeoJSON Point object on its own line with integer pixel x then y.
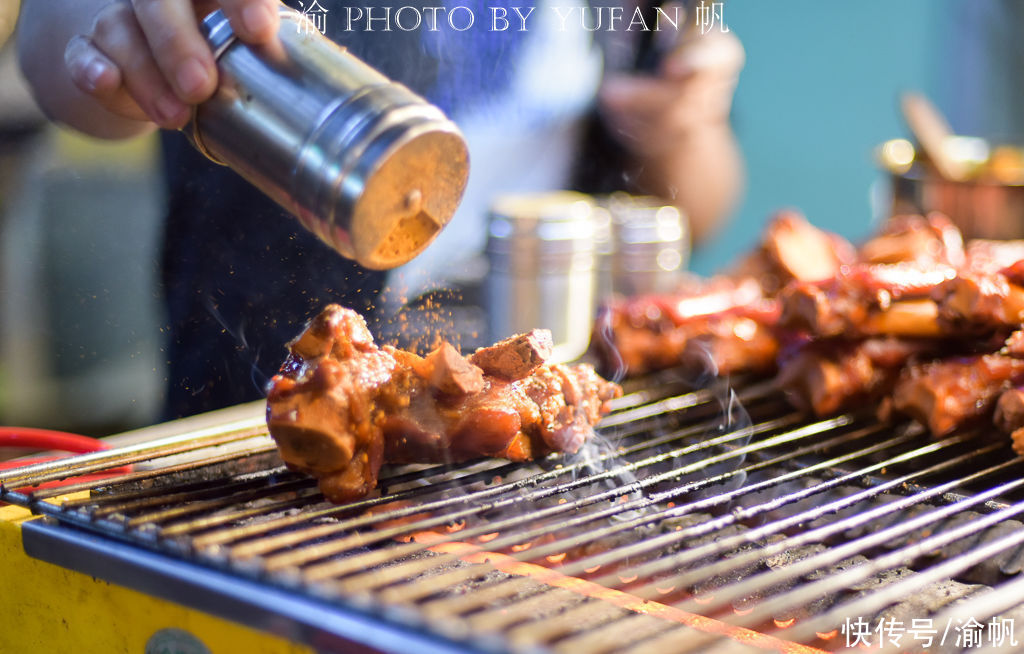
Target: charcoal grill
{"type": "Point", "coordinates": [695, 526]}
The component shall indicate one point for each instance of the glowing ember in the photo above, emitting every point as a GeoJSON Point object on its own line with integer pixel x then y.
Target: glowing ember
{"type": "Point", "coordinates": [509, 565]}
{"type": "Point", "coordinates": [522, 547]}
{"type": "Point", "coordinates": [556, 558]}
{"type": "Point", "coordinates": [592, 570]}
{"type": "Point", "coordinates": [627, 580]}
{"type": "Point", "coordinates": [486, 538]}
{"type": "Point", "coordinates": [782, 624]}
{"type": "Point", "coordinates": [704, 599]}
{"type": "Point", "coordinates": [666, 590]}
{"type": "Point", "coordinates": [743, 611]}
{"type": "Point", "coordinates": [828, 635]}
{"type": "Point", "coordinates": [456, 526]}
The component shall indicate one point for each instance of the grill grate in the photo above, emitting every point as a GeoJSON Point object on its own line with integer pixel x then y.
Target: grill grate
{"type": "Point", "coordinates": [686, 530]}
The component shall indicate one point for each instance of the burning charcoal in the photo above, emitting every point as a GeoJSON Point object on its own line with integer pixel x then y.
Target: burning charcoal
{"type": "Point", "coordinates": [515, 357]}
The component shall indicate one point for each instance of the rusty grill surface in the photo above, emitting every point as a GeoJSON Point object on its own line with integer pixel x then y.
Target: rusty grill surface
{"type": "Point", "coordinates": [690, 529]}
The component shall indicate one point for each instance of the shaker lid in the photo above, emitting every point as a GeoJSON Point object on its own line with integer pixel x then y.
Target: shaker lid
{"type": "Point", "coordinates": [541, 231]}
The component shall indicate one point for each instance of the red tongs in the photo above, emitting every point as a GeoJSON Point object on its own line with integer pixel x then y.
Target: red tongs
{"type": "Point", "coordinates": [45, 439]}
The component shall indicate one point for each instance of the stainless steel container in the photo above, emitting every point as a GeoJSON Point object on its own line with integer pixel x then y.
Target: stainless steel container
{"type": "Point", "coordinates": [989, 203]}
{"type": "Point", "coordinates": [542, 273]}
{"type": "Point", "coordinates": [370, 167]}
{"type": "Point", "coordinates": [644, 246]}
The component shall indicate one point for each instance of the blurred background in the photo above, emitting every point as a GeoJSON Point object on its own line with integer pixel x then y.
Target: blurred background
{"type": "Point", "coordinates": [80, 328]}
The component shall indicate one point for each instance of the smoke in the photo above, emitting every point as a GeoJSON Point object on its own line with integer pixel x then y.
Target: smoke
{"type": "Point", "coordinates": [731, 426]}
{"type": "Point", "coordinates": [257, 377]}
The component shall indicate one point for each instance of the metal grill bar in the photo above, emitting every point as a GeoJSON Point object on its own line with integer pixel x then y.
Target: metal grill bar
{"type": "Point", "coordinates": [297, 538]}
{"type": "Point", "coordinates": [632, 572]}
{"type": "Point", "coordinates": [359, 562]}
{"type": "Point", "coordinates": [41, 473]}
{"type": "Point", "coordinates": [872, 603]}
{"type": "Point", "coordinates": [414, 591]}
{"type": "Point", "coordinates": [570, 469]}
{"type": "Point", "coordinates": [590, 526]}
{"type": "Point", "coordinates": [754, 584]}
{"type": "Point", "coordinates": [144, 475]}
{"type": "Point", "coordinates": [710, 551]}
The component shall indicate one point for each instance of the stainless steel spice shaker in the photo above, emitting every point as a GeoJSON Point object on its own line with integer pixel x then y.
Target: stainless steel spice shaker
{"type": "Point", "coordinates": [645, 245]}
{"type": "Point", "coordinates": [364, 163]}
{"type": "Point", "coordinates": [541, 253]}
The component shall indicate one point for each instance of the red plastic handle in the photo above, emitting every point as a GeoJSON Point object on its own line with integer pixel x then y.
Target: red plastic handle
{"type": "Point", "coordinates": [47, 439]}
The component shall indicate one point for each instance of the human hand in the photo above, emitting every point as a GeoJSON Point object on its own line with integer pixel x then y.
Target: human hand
{"type": "Point", "coordinates": [146, 60]}
{"type": "Point", "coordinates": [692, 90]}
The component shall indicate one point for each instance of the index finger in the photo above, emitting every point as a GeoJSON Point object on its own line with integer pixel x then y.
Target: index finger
{"type": "Point", "coordinates": [254, 21]}
{"type": "Point", "coordinates": [180, 51]}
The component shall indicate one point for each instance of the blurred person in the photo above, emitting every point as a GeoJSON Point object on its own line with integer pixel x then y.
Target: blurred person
{"type": "Point", "coordinates": [240, 277]}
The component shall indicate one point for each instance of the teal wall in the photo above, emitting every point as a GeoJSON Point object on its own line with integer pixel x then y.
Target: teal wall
{"type": "Point", "coordinates": [819, 91]}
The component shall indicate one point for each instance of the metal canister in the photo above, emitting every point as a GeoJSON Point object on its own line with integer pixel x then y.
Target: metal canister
{"type": "Point", "coordinates": [363, 162]}
{"type": "Point", "coordinates": [645, 246]}
{"type": "Point", "coordinates": [541, 253]}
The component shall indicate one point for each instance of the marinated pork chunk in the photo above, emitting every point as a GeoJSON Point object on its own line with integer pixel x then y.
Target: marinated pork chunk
{"type": "Point", "coordinates": [341, 406]}
{"type": "Point", "coordinates": [949, 393]}
{"type": "Point", "coordinates": [792, 249]}
{"type": "Point", "coordinates": [976, 301]}
{"type": "Point", "coordinates": [932, 239]}
{"type": "Point", "coordinates": [729, 320]}
{"type": "Point", "coordinates": [826, 377]}
{"type": "Point", "coordinates": [867, 300]}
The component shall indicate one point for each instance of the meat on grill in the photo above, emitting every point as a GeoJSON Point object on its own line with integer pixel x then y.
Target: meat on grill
{"type": "Point", "coordinates": [727, 320]}
{"type": "Point", "coordinates": [949, 393]}
{"type": "Point", "coordinates": [826, 377]}
{"type": "Point", "coordinates": [978, 300]}
{"type": "Point", "coordinates": [915, 318]}
{"type": "Point", "coordinates": [730, 318]}
{"type": "Point", "coordinates": [341, 406]}
{"type": "Point", "coordinates": [931, 239]}
{"type": "Point", "coordinates": [867, 300]}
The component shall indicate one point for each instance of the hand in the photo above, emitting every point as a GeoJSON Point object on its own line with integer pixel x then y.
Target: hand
{"type": "Point", "coordinates": [693, 90]}
{"type": "Point", "coordinates": [146, 60]}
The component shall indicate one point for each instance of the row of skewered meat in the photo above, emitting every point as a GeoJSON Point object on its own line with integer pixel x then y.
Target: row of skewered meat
{"type": "Point", "coordinates": [915, 320]}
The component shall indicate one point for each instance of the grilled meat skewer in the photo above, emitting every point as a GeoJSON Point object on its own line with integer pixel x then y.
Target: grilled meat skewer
{"type": "Point", "coordinates": [341, 406]}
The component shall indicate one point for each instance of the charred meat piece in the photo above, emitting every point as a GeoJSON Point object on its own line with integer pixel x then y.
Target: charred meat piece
{"type": "Point", "coordinates": [946, 394]}
{"type": "Point", "coordinates": [1009, 415]}
{"type": "Point", "coordinates": [825, 377]}
{"type": "Point", "coordinates": [980, 301]}
{"type": "Point", "coordinates": [793, 249]}
{"type": "Point", "coordinates": [931, 239]}
{"type": "Point", "coordinates": [341, 406]}
{"type": "Point", "coordinates": [984, 256]}
{"type": "Point", "coordinates": [868, 300]}
{"type": "Point", "coordinates": [727, 319]}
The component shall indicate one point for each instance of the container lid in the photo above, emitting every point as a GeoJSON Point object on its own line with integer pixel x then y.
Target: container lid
{"type": "Point", "coordinates": [639, 220]}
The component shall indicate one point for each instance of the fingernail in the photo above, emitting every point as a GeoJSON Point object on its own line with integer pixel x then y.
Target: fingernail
{"type": "Point", "coordinates": [168, 108]}
{"type": "Point", "coordinates": [93, 72]}
{"type": "Point", "coordinates": [192, 77]}
{"type": "Point", "coordinates": [257, 19]}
